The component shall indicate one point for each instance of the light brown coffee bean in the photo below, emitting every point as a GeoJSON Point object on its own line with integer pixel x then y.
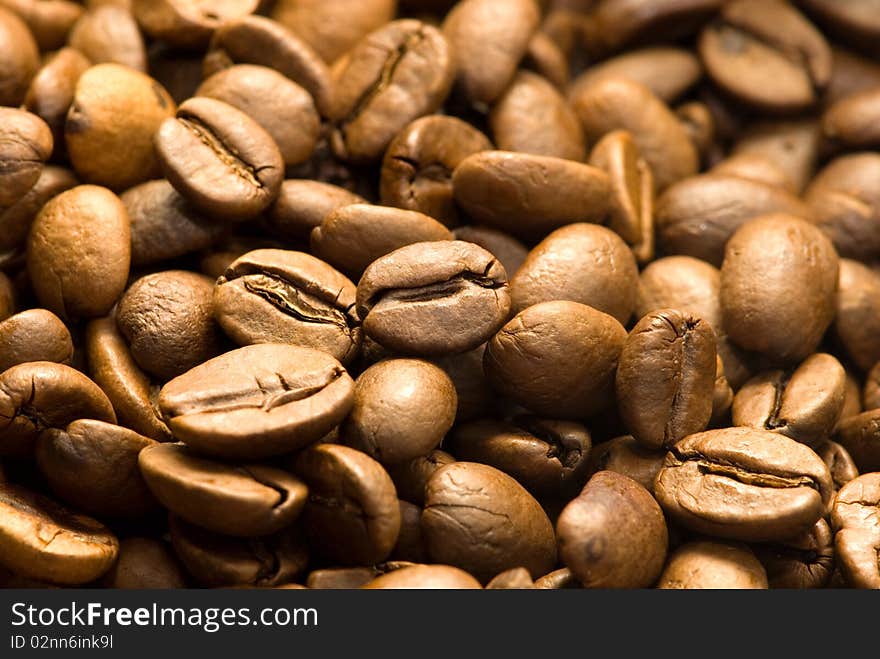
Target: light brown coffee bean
{"type": "Point", "coordinates": [15, 221]}
{"type": "Point", "coordinates": [19, 58]}
{"type": "Point", "coordinates": [425, 576]}
{"type": "Point", "coordinates": [713, 565]}
{"type": "Point", "coordinates": [805, 561]}
{"type": "Point", "coordinates": [144, 563]}
{"type": "Point", "coordinates": [34, 335]}
{"type": "Point", "coordinates": [51, 92]}
{"type": "Point", "coordinates": [187, 24]}
{"type": "Point", "coordinates": [109, 33]}
{"type": "Point", "coordinates": [25, 144]}
{"type": "Point", "coordinates": [410, 477]}
{"type": "Point", "coordinates": [626, 456]}
{"type": "Point", "coordinates": [852, 121]}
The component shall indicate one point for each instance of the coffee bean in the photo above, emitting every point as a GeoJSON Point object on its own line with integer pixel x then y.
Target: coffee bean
{"type": "Point", "coordinates": [109, 33]}
{"type": "Point", "coordinates": [481, 520]}
{"type": "Point", "coordinates": [860, 436]}
{"type": "Point", "coordinates": [43, 540]}
{"type": "Point", "coordinates": [302, 205]}
{"type": "Point", "coordinates": [713, 565]}
{"type": "Point", "coordinates": [280, 296]}
{"type": "Point", "coordinates": [220, 159]}
{"type": "Point", "coordinates": [433, 298]}
{"type": "Point", "coordinates": [34, 335]}
{"type": "Point", "coordinates": [557, 580]}
{"type": "Point", "coordinates": [613, 535]}
{"type": "Point", "coordinates": [184, 24]}
{"type": "Point", "coordinates": [425, 576]}
{"type": "Point", "coordinates": [410, 477]}
{"type": "Point", "coordinates": [144, 563]}
{"type": "Point", "coordinates": [352, 515]}
{"type": "Point", "coordinates": [50, 22]}
{"type": "Point", "coordinates": [857, 532]}
{"type": "Point", "coordinates": [234, 499]}
{"type": "Point", "coordinates": [257, 401]}
{"type": "Point", "coordinates": [852, 121]}
{"type": "Point", "coordinates": [15, 221]}
{"type": "Point", "coordinates": [628, 457]}
{"type": "Point", "coordinates": [19, 58]}
{"type": "Point", "coordinates": [743, 484]}
{"type": "Point", "coordinates": [806, 561]}
{"type": "Point", "coordinates": [839, 461]}
{"type": "Point", "coordinates": [545, 57]}
{"type": "Point", "coordinates": [25, 144]}
{"type": "Point", "coordinates": [52, 89]}
{"type": "Point", "coordinates": [855, 320]}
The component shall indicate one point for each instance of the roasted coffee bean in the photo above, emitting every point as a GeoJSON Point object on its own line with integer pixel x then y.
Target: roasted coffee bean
{"type": "Point", "coordinates": [852, 121]}
{"type": "Point", "coordinates": [49, 21]}
{"type": "Point", "coordinates": [241, 500]}
{"type": "Point", "coordinates": [621, 104]}
{"type": "Point", "coordinates": [793, 144]}
{"type": "Point", "coordinates": [851, 73]}
{"type": "Point", "coordinates": [743, 484]}
{"type": "Point", "coordinates": [302, 205]}
{"type": "Point", "coordinates": [857, 538]}
{"type": "Point", "coordinates": [19, 58]}
{"type": "Point", "coordinates": [557, 580]}
{"type": "Point", "coordinates": [713, 565]}
{"type": "Point", "coordinates": [547, 457]}
{"type": "Point", "coordinates": [665, 377]}
{"type": "Point", "coordinates": [51, 92]}
{"type": "Point", "coordinates": [806, 561]}
{"type": "Point", "coordinates": [778, 287]}
{"type": "Point", "coordinates": [557, 359]}
{"type": "Point", "coordinates": [507, 249]}
{"type": "Point", "coordinates": [129, 389]}
{"type": "Point", "coordinates": [857, 314]}
{"type": "Point", "coordinates": [220, 159]}
{"type": "Point", "coordinates": [583, 263]}
{"type": "Point", "coordinates": [410, 477]}
{"type": "Point", "coordinates": [402, 409]}
{"type": "Point", "coordinates": [168, 320]}
{"type": "Point", "coordinates": [754, 167]}
{"type": "Point", "coordinates": [860, 436]}
{"type": "Point", "coordinates": [7, 297]}
{"type": "Point", "coordinates": [418, 165]}
{"type": "Point", "coordinates": [280, 296]}
{"type": "Point", "coordinates": [626, 456]}
{"type": "Point", "coordinates": [697, 216]}
{"type": "Point", "coordinates": [42, 540]}
{"type": "Point", "coordinates": [481, 520]}
{"type": "Point", "coordinates": [804, 404]}
{"type": "Point", "coordinates": [187, 24]}
{"type": "Point", "coordinates": [722, 396]}
{"type": "Point", "coordinates": [93, 465]}
{"type": "Point", "coordinates": [544, 56]}
{"type": "Point", "coordinates": [839, 461]}
{"type": "Point", "coordinates": [341, 578]}
{"type": "Point", "coordinates": [35, 396]}
{"type": "Point", "coordinates": [433, 298]}
{"type": "Point", "coordinates": [352, 515]}
{"type": "Point", "coordinates": [613, 534]}
{"type": "Point", "coordinates": [529, 196]}
{"type": "Point", "coordinates": [283, 108]}
{"type": "Point", "coordinates": [109, 33]}
{"type": "Point", "coordinates": [517, 578]}
{"type": "Point", "coordinates": [352, 237]}
{"type": "Point", "coordinates": [219, 561]}
{"type": "Point", "coordinates": [257, 401]}
{"type": "Point", "coordinates": [489, 38]}
{"type": "Point", "coordinates": [425, 576]}
{"type": "Point", "coordinates": [531, 116]}
{"type": "Point", "coordinates": [25, 144]}
{"type": "Point", "coordinates": [405, 59]}
{"type": "Point", "coordinates": [410, 545]}
{"type": "Point", "coordinates": [34, 335]}
{"type": "Point", "coordinates": [855, 21]}
{"type": "Point", "coordinates": [15, 221]}
{"type": "Point", "coordinates": [78, 253]}
{"type": "Point", "coordinates": [144, 563]}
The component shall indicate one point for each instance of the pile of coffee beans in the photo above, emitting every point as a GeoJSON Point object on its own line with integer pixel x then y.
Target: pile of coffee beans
{"type": "Point", "coordinates": [437, 294]}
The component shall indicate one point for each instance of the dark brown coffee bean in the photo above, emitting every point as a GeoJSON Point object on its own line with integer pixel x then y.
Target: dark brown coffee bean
{"type": "Point", "coordinates": [405, 59]}
{"type": "Point", "coordinates": [352, 515]}
{"type": "Point", "coordinates": [34, 335]}
{"type": "Point", "coordinates": [665, 377]}
{"type": "Point", "coordinates": [481, 520]}
{"type": "Point", "coordinates": [529, 196]}
{"type": "Point", "coordinates": [621, 104]}
{"type": "Point", "coordinates": [507, 249]}
{"type": "Point", "coordinates": [839, 461]}
{"type": "Point", "coordinates": [852, 121]}
{"type": "Point", "coordinates": [857, 317]}
{"type": "Point", "coordinates": [402, 409]}
{"type": "Point", "coordinates": [857, 539]}
{"type": "Point", "coordinates": [281, 296]}
{"type": "Point", "coordinates": [411, 477]}
{"type": "Point", "coordinates": [870, 395]}
{"type": "Point", "coordinates": [220, 159]}
{"type": "Point", "coordinates": [51, 92]}
{"type": "Point", "coordinates": [626, 456]}
{"type": "Point", "coordinates": [778, 286]}
{"type": "Point", "coordinates": [42, 540]}
{"type": "Point", "coordinates": [144, 563]}
{"type": "Point", "coordinates": [545, 456]}
{"type": "Point", "coordinates": [722, 396]}
{"type": "Point", "coordinates": [425, 576]}
{"type": "Point", "coordinates": [219, 561]}
{"type": "Point", "coordinates": [19, 58]}
{"type": "Point", "coordinates": [846, 204]}
{"type": "Point", "coordinates": [93, 465]}
{"type": "Point", "coordinates": [15, 221]}
{"type": "Point", "coordinates": [851, 73]}
{"type": "Point", "coordinates": [583, 263]}
{"type": "Point", "coordinates": [557, 359]}
{"type": "Point", "coordinates": [332, 28]}
{"type": "Point", "coordinates": [698, 215]}
{"type": "Point", "coordinates": [7, 297]}
{"type": "Point", "coordinates": [352, 237]}
{"type": "Point", "coordinates": [302, 205]}
{"type": "Point", "coordinates": [713, 565]}
{"type": "Point", "coordinates": [79, 251]}
{"type": "Point", "coordinates": [666, 71]}
{"type": "Point", "coordinates": [767, 55]}
{"type": "Point", "coordinates": [613, 535]}
{"type": "Point", "coordinates": [410, 545]}
{"type": "Point", "coordinates": [699, 123]}
{"type": "Point", "coordinates": [49, 20]}
{"type": "Point", "coordinates": [25, 144]}
{"type": "Point", "coordinates": [531, 116]}
{"type": "Point", "coordinates": [35, 396]}
{"type": "Point", "coordinates": [109, 33]}
{"type": "Point", "coordinates": [743, 484]}
{"type": "Point", "coordinates": [130, 391]}
{"type": "Point", "coordinates": [235, 499]}
{"type": "Point", "coordinates": [257, 401]}
{"type": "Point", "coordinates": [489, 38]}
{"type": "Point", "coordinates": [860, 436]}
{"type": "Point", "coordinates": [258, 40]}
{"type": "Point", "coordinates": [433, 298]}
{"type": "Point", "coordinates": [806, 561]}
{"type": "Point", "coordinates": [341, 578]}
{"type": "Point", "coordinates": [283, 108]}
{"type": "Point", "coordinates": [517, 578]}
{"type": "Point", "coordinates": [418, 165]}
{"type": "Point", "coordinates": [804, 404]}
{"type": "Point", "coordinates": [187, 24]}
{"type": "Point", "coordinates": [168, 320]}
{"type": "Point", "coordinates": [558, 580]}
